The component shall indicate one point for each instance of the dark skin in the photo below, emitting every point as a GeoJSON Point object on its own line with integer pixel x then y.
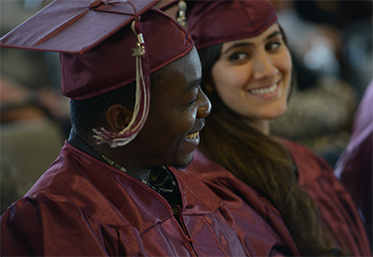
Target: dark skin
{"type": "Point", "coordinates": [177, 111]}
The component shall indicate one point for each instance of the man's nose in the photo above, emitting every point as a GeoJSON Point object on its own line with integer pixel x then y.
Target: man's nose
{"type": "Point", "coordinates": [205, 108]}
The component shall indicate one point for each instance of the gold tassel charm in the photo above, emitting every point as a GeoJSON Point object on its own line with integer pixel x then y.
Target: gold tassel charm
{"type": "Point", "coordinates": [139, 49]}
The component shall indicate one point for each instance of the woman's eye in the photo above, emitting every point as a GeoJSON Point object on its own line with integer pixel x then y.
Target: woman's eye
{"type": "Point", "coordinates": [238, 56]}
{"type": "Point", "coordinates": [273, 45]}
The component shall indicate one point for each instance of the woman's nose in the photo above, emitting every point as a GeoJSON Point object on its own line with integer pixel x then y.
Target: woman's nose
{"type": "Point", "coordinates": [262, 66]}
{"type": "Point", "coordinates": [205, 107]}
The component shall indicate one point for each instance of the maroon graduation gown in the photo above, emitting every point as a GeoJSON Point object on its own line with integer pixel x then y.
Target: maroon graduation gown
{"type": "Point", "coordinates": [337, 210]}
{"type": "Point", "coordinates": [259, 224]}
{"type": "Point", "coordinates": [315, 176]}
{"type": "Point", "coordinates": [84, 207]}
{"type": "Point", "coordinates": [355, 166]}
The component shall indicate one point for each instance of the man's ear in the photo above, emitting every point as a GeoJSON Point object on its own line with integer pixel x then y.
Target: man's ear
{"type": "Point", "coordinates": [118, 117]}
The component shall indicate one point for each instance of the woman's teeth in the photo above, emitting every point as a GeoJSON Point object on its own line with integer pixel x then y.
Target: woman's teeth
{"type": "Point", "coordinates": [263, 91]}
{"type": "Point", "coordinates": [191, 136]}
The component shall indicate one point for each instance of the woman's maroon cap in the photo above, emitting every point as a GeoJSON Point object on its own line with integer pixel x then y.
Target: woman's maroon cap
{"type": "Point", "coordinates": [104, 45]}
{"type": "Point", "coordinates": [218, 21]}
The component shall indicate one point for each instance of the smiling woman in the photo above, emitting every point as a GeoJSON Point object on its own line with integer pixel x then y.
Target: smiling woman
{"type": "Point", "coordinates": [252, 77]}
{"type": "Point", "coordinates": [270, 184]}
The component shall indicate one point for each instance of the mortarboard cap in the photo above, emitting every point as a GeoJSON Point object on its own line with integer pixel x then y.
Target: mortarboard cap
{"type": "Point", "coordinates": [219, 21]}
{"type": "Point", "coordinates": [105, 45]}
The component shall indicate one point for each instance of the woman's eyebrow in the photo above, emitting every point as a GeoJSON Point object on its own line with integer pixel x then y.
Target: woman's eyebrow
{"type": "Point", "coordinates": [244, 44]}
{"type": "Point", "coordinates": [237, 45]}
{"type": "Point", "coordinates": [274, 34]}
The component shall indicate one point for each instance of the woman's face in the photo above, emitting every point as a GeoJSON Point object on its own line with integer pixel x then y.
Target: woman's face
{"type": "Point", "coordinates": [253, 75]}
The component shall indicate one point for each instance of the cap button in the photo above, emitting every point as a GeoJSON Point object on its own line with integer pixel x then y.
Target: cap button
{"type": "Point", "coordinates": [95, 3]}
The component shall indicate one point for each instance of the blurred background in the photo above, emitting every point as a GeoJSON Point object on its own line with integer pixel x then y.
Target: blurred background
{"type": "Point", "coordinates": [331, 45]}
{"type": "Point", "coordinates": [34, 115]}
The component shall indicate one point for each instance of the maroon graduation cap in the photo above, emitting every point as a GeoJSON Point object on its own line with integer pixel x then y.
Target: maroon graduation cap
{"type": "Point", "coordinates": [220, 21]}
{"type": "Point", "coordinates": [105, 45]}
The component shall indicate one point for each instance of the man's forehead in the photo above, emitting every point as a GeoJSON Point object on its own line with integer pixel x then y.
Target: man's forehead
{"type": "Point", "coordinates": [187, 68]}
{"type": "Point", "coordinates": [189, 63]}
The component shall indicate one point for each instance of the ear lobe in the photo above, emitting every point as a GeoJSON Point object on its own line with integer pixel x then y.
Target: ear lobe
{"type": "Point", "coordinates": [118, 117]}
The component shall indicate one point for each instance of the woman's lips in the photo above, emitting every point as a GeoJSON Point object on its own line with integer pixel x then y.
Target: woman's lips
{"type": "Point", "coordinates": [263, 91]}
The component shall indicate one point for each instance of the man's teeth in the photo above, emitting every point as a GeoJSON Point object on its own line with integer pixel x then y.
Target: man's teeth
{"type": "Point", "coordinates": [263, 91]}
{"type": "Point", "coordinates": [191, 136]}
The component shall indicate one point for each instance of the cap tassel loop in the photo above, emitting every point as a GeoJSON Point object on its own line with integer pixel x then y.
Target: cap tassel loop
{"type": "Point", "coordinates": [142, 98]}
{"type": "Point", "coordinates": [181, 19]}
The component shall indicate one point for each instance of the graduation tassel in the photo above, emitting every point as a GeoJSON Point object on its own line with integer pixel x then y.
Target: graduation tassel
{"type": "Point", "coordinates": [142, 98]}
{"type": "Point", "coordinates": [181, 19]}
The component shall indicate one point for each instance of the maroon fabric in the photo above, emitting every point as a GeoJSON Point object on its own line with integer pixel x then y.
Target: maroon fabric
{"type": "Point", "coordinates": [95, 40]}
{"type": "Point", "coordinates": [111, 65]}
{"type": "Point", "coordinates": [257, 218]}
{"type": "Point", "coordinates": [71, 26]}
{"type": "Point", "coordinates": [259, 224]}
{"type": "Point", "coordinates": [355, 166]}
{"type": "Point", "coordinates": [84, 207]}
{"type": "Point", "coordinates": [208, 20]}
{"type": "Point", "coordinates": [337, 210]}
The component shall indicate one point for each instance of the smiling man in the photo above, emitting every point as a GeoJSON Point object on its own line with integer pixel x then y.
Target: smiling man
{"type": "Point", "coordinates": [133, 77]}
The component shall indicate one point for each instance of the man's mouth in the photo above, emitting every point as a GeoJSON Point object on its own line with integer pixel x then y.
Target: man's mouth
{"type": "Point", "coordinates": [192, 136]}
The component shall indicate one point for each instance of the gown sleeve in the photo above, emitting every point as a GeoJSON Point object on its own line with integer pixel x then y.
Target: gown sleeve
{"type": "Point", "coordinates": [53, 226]}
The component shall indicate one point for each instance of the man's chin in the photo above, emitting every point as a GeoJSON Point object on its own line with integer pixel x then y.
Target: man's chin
{"type": "Point", "coordinates": [184, 164]}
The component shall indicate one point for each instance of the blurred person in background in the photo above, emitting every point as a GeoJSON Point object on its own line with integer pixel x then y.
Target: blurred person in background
{"type": "Point", "coordinates": [355, 166]}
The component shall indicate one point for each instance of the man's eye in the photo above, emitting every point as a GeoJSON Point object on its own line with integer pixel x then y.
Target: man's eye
{"type": "Point", "coordinates": [192, 102]}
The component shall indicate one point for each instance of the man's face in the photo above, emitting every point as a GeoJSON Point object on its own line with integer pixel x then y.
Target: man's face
{"type": "Point", "coordinates": [177, 111]}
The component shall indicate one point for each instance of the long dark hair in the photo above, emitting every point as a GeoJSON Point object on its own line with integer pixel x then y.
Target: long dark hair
{"type": "Point", "coordinates": [262, 163]}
